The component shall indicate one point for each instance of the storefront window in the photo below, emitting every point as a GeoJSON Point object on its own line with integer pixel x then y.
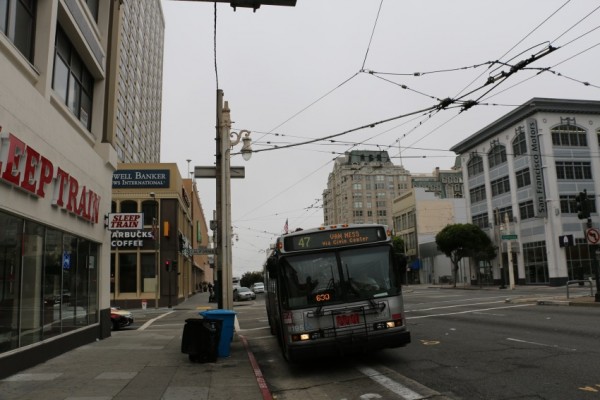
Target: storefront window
{"type": "Point", "coordinates": [127, 273]}
{"type": "Point", "coordinates": [10, 267]}
{"type": "Point", "coordinates": [48, 282]}
{"type": "Point", "coordinates": [53, 292]}
{"type": "Point", "coordinates": [32, 275]}
{"type": "Point", "coordinates": [69, 310]}
{"type": "Point", "coordinates": [148, 272]}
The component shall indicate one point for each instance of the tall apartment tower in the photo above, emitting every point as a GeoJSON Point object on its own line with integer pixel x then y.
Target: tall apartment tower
{"type": "Point", "coordinates": [139, 82]}
{"type": "Point", "coordinates": [361, 188]}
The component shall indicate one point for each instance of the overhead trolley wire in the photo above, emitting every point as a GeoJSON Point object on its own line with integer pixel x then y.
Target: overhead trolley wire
{"type": "Point", "coordinates": [372, 34]}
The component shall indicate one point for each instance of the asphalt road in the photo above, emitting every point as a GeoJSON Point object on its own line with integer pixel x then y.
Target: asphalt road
{"type": "Point", "coordinates": [466, 344]}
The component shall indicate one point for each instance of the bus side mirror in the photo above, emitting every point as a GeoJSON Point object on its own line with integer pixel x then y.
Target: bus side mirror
{"type": "Point", "coordinates": [272, 266]}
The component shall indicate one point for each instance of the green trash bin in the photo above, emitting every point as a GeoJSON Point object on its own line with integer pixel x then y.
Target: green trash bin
{"type": "Point", "coordinates": [228, 318]}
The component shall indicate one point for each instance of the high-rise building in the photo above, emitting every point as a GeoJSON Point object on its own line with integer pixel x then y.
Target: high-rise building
{"type": "Point", "coordinates": [361, 188]}
{"type": "Point", "coordinates": [139, 82]}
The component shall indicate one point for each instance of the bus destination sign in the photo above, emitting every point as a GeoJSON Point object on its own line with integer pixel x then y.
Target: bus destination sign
{"type": "Point", "coordinates": [334, 238]}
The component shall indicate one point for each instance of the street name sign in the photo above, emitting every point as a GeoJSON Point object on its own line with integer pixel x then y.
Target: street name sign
{"type": "Point", "coordinates": [211, 172]}
{"type": "Point", "coordinates": [509, 237]}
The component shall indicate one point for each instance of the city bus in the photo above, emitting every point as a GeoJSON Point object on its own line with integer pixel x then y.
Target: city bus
{"type": "Point", "coordinates": [335, 290]}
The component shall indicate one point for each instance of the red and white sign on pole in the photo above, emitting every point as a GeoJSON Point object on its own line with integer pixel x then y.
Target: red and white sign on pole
{"type": "Point", "coordinates": [592, 235]}
{"type": "Point", "coordinates": [125, 221]}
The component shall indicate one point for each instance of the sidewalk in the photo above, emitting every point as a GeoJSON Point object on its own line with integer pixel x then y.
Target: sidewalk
{"type": "Point", "coordinates": [143, 363]}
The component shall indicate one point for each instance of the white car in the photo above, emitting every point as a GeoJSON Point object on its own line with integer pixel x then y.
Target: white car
{"type": "Point", "coordinates": [258, 287]}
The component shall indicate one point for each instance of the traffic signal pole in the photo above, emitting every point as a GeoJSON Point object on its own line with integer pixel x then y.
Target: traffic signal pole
{"type": "Point", "coordinates": [583, 212]}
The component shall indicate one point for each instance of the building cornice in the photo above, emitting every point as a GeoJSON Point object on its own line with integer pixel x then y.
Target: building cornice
{"type": "Point", "coordinates": [522, 112]}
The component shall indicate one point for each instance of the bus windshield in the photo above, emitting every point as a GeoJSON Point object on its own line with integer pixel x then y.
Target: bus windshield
{"type": "Point", "coordinates": [338, 276]}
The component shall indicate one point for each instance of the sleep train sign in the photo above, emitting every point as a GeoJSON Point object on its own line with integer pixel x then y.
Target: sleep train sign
{"type": "Point", "coordinates": [125, 221]}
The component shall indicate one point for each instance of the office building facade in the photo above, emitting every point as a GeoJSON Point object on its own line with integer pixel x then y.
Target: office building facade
{"type": "Point", "coordinates": [155, 224]}
{"type": "Point", "coordinates": [361, 188]}
{"type": "Point", "coordinates": [522, 175]}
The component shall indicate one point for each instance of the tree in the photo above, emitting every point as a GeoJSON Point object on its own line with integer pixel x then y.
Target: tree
{"type": "Point", "coordinates": [398, 245]}
{"type": "Point", "coordinates": [251, 277]}
{"type": "Point", "coordinates": [457, 241]}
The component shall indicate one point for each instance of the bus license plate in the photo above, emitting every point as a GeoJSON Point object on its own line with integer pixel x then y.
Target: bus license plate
{"type": "Point", "coordinates": [347, 319]}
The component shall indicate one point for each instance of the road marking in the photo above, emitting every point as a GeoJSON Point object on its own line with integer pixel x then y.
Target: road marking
{"type": "Point", "coordinates": [390, 384]}
{"type": "Point", "coordinates": [469, 311]}
{"type": "Point", "coordinates": [254, 329]}
{"type": "Point", "coordinates": [457, 305]}
{"type": "Point", "coordinates": [540, 344]}
{"type": "Point", "coordinates": [153, 320]}
{"type": "Point", "coordinates": [589, 389]}
{"type": "Point", "coordinates": [430, 342]}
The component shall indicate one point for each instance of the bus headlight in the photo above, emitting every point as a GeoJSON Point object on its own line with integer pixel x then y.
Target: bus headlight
{"type": "Point", "coordinates": [387, 324]}
{"type": "Point", "coordinates": [301, 337]}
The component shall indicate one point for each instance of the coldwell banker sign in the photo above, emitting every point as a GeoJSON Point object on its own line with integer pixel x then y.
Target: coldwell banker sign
{"type": "Point", "coordinates": [536, 168]}
{"type": "Point", "coordinates": [143, 178]}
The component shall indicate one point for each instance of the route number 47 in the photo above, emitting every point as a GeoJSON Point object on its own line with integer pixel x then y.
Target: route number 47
{"type": "Point", "coordinates": [304, 241]}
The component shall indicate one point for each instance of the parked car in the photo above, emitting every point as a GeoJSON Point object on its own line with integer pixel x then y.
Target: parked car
{"type": "Point", "coordinates": [243, 293]}
{"type": "Point", "coordinates": [120, 318]}
{"type": "Point", "coordinates": [258, 287]}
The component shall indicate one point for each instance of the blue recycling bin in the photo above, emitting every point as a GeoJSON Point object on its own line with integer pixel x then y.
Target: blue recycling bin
{"type": "Point", "coordinates": [228, 318]}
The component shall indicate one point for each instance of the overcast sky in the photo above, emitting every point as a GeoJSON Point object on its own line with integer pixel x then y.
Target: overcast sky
{"type": "Point", "coordinates": [324, 67]}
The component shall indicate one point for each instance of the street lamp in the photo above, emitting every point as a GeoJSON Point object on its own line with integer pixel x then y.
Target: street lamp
{"type": "Point", "coordinates": [226, 140]}
{"type": "Point", "coordinates": [155, 231]}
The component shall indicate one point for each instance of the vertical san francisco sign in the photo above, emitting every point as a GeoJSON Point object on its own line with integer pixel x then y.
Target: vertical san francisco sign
{"type": "Point", "coordinates": [536, 167]}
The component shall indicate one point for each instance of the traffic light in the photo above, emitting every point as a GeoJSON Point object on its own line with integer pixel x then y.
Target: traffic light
{"type": "Point", "coordinates": [583, 205]}
{"type": "Point", "coordinates": [174, 265]}
{"type": "Point", "coordinates": [168, 265]}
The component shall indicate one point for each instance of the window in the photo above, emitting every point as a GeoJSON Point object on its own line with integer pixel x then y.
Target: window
{"type": "Point", "coordinates": [149, 208]}
{"type": "Point", "coordinates": [526, 210]}
{"type": "Point", "coordinates": [497, 155]}
{"type": "Point", "coordinates": [573, 170]}
{"type": "Point", "coordinates": [481, 220]}
{"type": "Point", "coordinates": [357, 186]}
{"type": "Point", "coordinates": [71, 80]}
{"type": "Point", "coordinates": [500, 214]}
{"type": "Point", "coordinates": [358, 204]}
{"type": "Point", "coordinates": [523, 178]}
{"type": "Point", "coordinates": [381, 213]}
{"type": "Point", "coordinates": [569, 135]}
{"type": "Point", "coordinates": [357, 213]}
{"type": "Point", "coordinates": [536, 262]}
{"type": "Point", "coordinates": [129, 206]}
{"type": "Point", "coordinates": [477, 194]}
{"type": "Point", "coordinates": [568, 204]}
{"type": "Point", "coordinates": [500, 186]}
{"type": "Point", "coordinates": [17, 19]}
{"type": "Point", "coordinates": [520, 142]}
{"type": "Point", "coordinates": [475, 166]}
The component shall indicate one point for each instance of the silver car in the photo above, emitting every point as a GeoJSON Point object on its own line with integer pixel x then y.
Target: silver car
{"type": "Point", "coordinates": [243, 293]}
